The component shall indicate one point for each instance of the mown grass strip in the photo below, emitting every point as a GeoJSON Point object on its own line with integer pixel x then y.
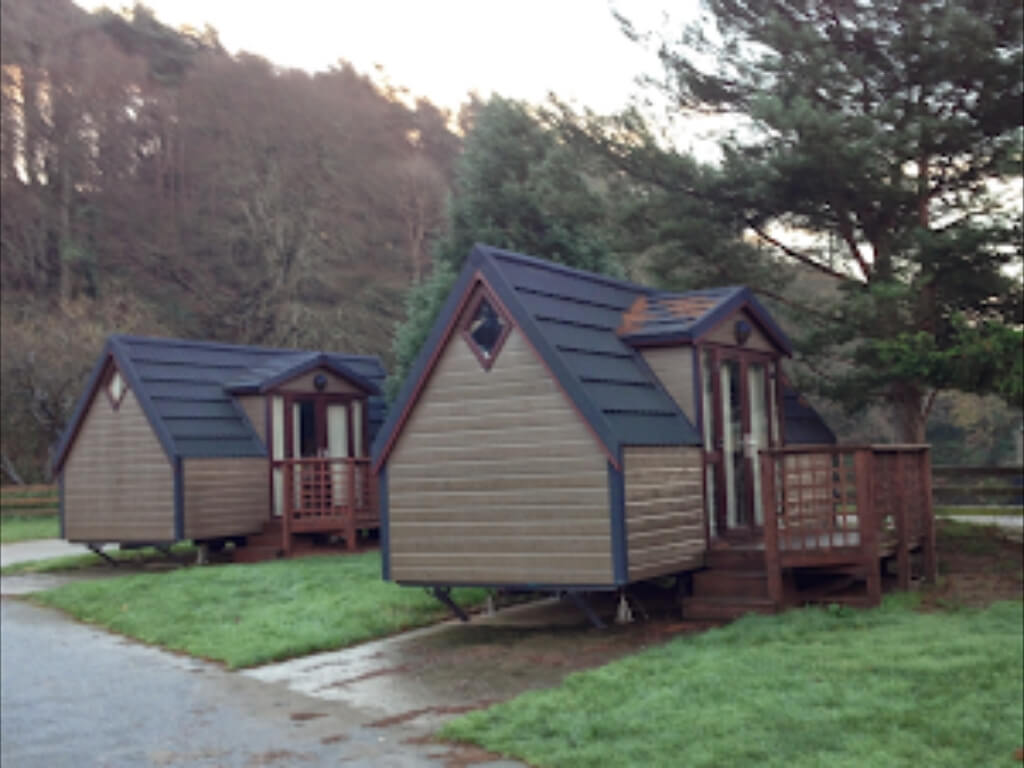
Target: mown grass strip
{"type": "Point", "coordinates": [1016, 511]}
{"type": "Point", "coordinates": [18, 528]}
{"type": "Point", "coordinates": [813, 687]}
{"type": "Point", "coordinates": [181, 553]}
{"type": "Point", "coordinates": [245, 615]}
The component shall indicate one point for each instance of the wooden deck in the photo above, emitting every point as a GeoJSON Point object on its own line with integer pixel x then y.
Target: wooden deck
{"type": "Point", "coordinates": [833, 516]}
{"type": "Point", "coordinates": [321, 497]}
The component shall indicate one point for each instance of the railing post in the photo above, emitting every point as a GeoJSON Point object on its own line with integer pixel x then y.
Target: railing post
{"type": "Point", "coordinates": [350, 518]}
{"type": "Point", "coordinates": [772, 563]}
{"type": "Point", "coordinates": [286, 511]}
{"type": "Point", "coordinates": [864, 463]}
{"type": "Point", "coordinates": [931, 571]}
{"type": "Point", "coordinates": [900, 505]}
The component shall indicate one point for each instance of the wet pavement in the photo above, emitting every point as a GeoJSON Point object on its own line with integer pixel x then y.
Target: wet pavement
{"type": "Point", "coordinates": [40, 549]}
{"type": "Point", "coordinates": [72, 695]}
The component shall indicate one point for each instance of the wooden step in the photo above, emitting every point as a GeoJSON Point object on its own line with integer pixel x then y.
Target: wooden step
{"type": "Point", "coordinates": [717, 608]}
{"type": "Point", "coordinates": [734, 559]}
{"type": "Point", "coordinates": [716, 582]}
{"type": "Point", "coordinates": [257, 554]}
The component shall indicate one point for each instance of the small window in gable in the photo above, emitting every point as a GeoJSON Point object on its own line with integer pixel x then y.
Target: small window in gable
{"type": "Point", "coordinates": [116, 388]}
{"type": "Point", "coordinates": [486, 331]}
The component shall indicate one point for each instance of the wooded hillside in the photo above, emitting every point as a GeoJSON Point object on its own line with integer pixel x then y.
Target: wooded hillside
{"type": "Point", "coordinates": [153, 183]}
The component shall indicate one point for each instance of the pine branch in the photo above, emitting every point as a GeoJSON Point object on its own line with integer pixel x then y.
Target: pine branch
{"type": "Point", "coordinates": [846, 232]}
{"type": "Point", "coordinates": [805, 309]}
{"type": "Point", "coordinates": [803, 258]}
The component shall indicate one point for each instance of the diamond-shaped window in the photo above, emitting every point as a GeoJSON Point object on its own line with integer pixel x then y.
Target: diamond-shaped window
{"type": "Point", "coordinates": [116, 389]}
{"type": "Point", "coordinates": [486, 332]}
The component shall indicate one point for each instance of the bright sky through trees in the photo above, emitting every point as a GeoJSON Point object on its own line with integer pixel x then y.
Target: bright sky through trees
{"type": "Point", "coordinates": [443, 49]}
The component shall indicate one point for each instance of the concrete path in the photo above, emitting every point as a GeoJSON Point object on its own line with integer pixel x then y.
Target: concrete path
{"type": "Point", "coordinates": [39, 549]}
{"type": "Point", "coordinates": [72, 695]}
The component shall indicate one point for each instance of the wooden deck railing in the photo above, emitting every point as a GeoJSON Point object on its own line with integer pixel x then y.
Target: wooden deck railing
{"type": "Point", "coordinates": [325, 495]}
{"type": "Point", "coordinates": [846, 505]}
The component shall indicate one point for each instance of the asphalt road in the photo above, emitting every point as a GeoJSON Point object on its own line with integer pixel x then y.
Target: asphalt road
{"type": "Point", "coordinates": [71, 695]}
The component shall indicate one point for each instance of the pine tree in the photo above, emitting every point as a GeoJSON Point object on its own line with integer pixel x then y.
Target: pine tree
{"type": "Point", "coordinates": [517, 186]}
{"type": "Point", "coordinates": [895, 129]}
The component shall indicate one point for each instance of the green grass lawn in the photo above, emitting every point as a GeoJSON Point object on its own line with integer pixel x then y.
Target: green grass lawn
{"type": "Point", "coordinates": [891, 686]}
{"type": "Point", "coordinates": [250, 614]}
{"type": "Point", "coordinates": [14, 528]}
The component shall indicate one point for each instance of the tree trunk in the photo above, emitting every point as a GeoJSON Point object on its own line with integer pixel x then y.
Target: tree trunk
{"type": "Point", "coordinates": [907, 401]}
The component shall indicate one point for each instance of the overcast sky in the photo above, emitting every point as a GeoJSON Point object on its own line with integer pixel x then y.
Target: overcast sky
{"type": "Point", "coordinates": [443, 49]}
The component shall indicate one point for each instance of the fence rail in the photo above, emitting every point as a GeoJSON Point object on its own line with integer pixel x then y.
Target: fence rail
{"type": "Point", "coordinates": [973, 486]}
{"type": "Point", "coordinates": [28, 500]}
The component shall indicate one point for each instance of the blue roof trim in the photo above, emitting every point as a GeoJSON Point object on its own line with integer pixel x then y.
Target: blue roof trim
{"type": "Point", "coordinates": [551, 266]}
{"type": "Point", "coordinates": [554, 361]}
{"type": "Point", "coordinates": [434, 338]}
{"type": "Point", "coordinates": [743, 296]}
{"type": "Point", "coordinates": [182, 388]}
{"type": "Point", "coordinates": [258, 444]}
{"type": "Point", "coordinates": [570, 318]}
{"type": "Point", "coordinates": [318, 361]}
{"type": "Point", "coordinates": [137, 388]}
{"type": "Point", "coordinates": [675, 330]}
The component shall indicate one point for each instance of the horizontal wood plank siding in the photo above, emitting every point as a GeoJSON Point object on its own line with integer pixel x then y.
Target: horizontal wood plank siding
{"type": "Point", "coordinates": [496, 480]}
{"type": "Point", "coordinates": [664, 510]}
{"type": "Point", "coordinates": [304, 383]}
{"type": "Point", "coordinates": [674, 366]}
{"type": "Point", "coordinates": [118, 482]}
{"type": "Point", "coordinates": [225, 497]}
{"type": "Point", "coordinates": [724, 333]}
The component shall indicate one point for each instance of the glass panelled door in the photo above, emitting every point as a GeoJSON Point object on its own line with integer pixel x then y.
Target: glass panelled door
{"type": "Point", "coordinates": [740, 418]}
{"type": "Point", "coordinates": [315, 426]}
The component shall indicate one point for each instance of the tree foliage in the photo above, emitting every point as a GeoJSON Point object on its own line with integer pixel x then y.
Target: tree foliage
{"type": "Point", "coordinates": [891, 129]}
{"type": "Point", "coordinates": [517, 186]}
{"type": "Point", "coordinates": [232, 200]}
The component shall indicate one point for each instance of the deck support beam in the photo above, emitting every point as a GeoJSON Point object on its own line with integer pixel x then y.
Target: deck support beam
{"type": "Point", "coordinates": [97, 549]}
{"type": "Point", "coordinates": [444, 595]}
{"type": "Point", "coordinates": [581, 602]}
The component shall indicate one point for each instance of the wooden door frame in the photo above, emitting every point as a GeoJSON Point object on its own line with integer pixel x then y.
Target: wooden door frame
{"type": "Point", "coordinates": [288, 397]}
{"type": "Point", "coordinates": [321, 400]}
{"type": "Point", "coordinates": [714, 455]}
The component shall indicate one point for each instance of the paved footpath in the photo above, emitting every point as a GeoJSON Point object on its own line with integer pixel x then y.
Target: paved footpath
{"type": "Point", "coordinates": [72, 695]}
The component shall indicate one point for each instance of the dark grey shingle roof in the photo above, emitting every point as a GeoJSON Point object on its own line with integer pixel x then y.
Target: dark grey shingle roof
{"type": "Point", "coordinates": [185, 388]}
{"type": "Point", "coordinates": [576, 315]}
{"type": "Point", "coordinates": [573, 319]}
{"type": "Point", "coordinates": [803, 424]}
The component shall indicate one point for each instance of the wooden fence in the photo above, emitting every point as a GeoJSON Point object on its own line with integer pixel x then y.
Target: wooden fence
{"type": "Point", "coordinates": [961, 486]}
{"type": "Point", "coordinates": [28, 500]}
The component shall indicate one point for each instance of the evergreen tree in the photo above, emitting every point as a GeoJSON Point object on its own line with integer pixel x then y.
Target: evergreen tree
{"type": "Point", "coordinates": [893, 128]}
{"type": "Point", "coordinates": [517, 186]}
